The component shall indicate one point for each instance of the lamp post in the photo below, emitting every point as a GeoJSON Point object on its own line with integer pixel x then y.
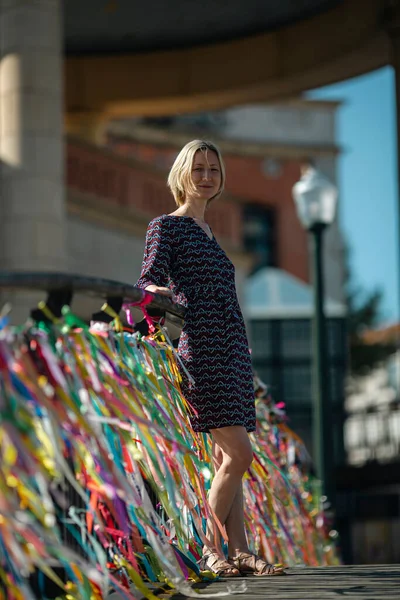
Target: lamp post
{"type": "Point", "coordinates": [315, 198]}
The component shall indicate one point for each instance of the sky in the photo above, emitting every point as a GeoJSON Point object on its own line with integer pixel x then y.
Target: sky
{"type": "Point", "coordinates": [366, 131]}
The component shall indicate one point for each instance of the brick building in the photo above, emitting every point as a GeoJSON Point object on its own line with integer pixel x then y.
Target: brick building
{"type": "Point", "coordinates": [263, 148]}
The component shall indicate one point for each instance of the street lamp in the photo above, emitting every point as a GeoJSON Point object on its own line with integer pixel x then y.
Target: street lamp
{"type": "Point", "coordinates": [315, 198]}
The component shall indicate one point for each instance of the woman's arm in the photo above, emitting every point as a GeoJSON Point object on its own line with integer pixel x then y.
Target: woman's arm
{"type": "Point", "coordinates": [157, 258]}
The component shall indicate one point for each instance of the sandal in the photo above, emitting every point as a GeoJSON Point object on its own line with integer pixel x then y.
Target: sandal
{"type": "Point", "coordinates": [219, 566]}
{"type": "Point", "coordinates": [246, 562]}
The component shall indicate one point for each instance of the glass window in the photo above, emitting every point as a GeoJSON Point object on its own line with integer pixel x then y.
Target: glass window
{"type": "Point", "coordinates": [269, 375]}
{"type": "Point", "coordinates": [336, 337]}
{"type": "Point", "coordinates": [260, 338]}
{"type": "Point", "coordinates": [265, 374]}
{"type": "Point", "coordinates": [259, 235]}
{"type": "Point", "coordinates": [297, 385]}
{"type": "Point", "coordinates": [296, 338]}
{"type": "Point", "coordinates": [336, 384]}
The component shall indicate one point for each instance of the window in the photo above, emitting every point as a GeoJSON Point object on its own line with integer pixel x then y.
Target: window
{"type": "Point", "coordinates": [297, 385]}
{"type": "Point", "coordinates": [269, 376]}
{"type": "Point", "coordinates": [337, 376]}
{"type": "Point", "coordinates": [259, 235]}
{"type": "Point", "coordinates": [336, 331]}
{"type": "Point", "coordinates": [296, 338]}
{"type": "Point", "coordinates": [282, 358]}
{"type": "Point", "coordinates": [260, 339]}
{"type": "Point", "coordinates": [266, 375]}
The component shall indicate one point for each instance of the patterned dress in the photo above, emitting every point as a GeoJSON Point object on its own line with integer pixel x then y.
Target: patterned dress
{"type": "Point", "coordinates": [213, 344]}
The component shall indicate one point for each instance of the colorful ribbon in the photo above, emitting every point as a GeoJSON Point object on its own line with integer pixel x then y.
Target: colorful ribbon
{"type": "Point", "coordinates": [102, 476]}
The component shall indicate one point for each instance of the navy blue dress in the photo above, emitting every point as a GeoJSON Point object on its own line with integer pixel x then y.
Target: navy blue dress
{"type": "Point", "coordinates": [213, 345]}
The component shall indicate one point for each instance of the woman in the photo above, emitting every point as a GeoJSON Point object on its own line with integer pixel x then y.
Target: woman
{"type": "Point", "coordinates": [183, 260]}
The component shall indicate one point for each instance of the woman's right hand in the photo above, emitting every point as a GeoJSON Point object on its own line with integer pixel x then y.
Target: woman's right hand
{"type": "Point", "coordinates": [163, 291]}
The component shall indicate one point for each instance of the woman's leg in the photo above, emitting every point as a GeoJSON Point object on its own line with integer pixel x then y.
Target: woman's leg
{"type": "Point", "coordinates": [235, 527]}
{"type": "Point", "coordinates": [238, 548]}
{"type": "Point", "coordinates": [234, 524]}
{"type": "Point", "coordinates": [235, 455]}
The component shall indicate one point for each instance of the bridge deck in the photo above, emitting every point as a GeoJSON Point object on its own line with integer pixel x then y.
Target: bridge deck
{"type": "Point", "coordinates": [366, 582]}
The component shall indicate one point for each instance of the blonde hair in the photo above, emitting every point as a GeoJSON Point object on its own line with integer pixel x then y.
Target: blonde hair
{"type": "Point", "coordinates": [180, 175]}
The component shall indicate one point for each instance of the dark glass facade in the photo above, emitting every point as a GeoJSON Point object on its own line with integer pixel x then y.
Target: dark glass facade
{"type": "Point", "coordinates": [281, 352]}
{"type": "Point", "coordinates": [259, 235]}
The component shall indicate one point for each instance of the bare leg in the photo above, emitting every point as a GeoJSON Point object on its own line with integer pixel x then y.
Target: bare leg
{"type": "Point", "coordinates": [238, 548]}
{"type": "Point", "coordinates": [235, 456]}
{"type": "Point", "coordinates": [234, 524]}
{"type": "Point", "coordinates": [235, 527]}
{"type": "Point", "coordinates": [232, 456]}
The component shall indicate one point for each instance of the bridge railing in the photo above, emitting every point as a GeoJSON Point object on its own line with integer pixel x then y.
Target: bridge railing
{"type": "Point", "coordinates": [284, 507]}
{"type": "Point", "coordinates": [60, 289]}
{"type": "Point", "coordinates": [96, 287]}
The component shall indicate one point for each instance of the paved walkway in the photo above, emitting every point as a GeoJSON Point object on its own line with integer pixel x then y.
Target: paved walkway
{"type": "Point", "coordinates": [366, 582]}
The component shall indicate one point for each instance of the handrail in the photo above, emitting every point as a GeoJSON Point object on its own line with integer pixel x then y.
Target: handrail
{"type": "Point", "coordinates": [93, 286]}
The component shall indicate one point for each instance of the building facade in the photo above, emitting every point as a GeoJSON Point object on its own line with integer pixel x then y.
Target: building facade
{"type": "Point", "coordinates": [110, 201]}
{"type": "Point", "coordinates": [264, 147]}
{"type": "Point", "coordinates": [370, 484]}
{"type": "Point", "coordinates": [279, 311]}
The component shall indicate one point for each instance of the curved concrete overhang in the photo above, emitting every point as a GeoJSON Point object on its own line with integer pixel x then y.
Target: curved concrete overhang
{"type": "Point", "coordinates": [347, 40]}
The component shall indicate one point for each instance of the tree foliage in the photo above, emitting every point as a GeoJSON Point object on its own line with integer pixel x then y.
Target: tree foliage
{"type": "Point", "coordinates": [364, 313]}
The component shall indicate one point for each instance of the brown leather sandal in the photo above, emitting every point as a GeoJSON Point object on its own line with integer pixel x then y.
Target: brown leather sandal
{"type": "Point", "coordinates": [212, 562]}
{"type": "Point", "coordinates": [247, 563]}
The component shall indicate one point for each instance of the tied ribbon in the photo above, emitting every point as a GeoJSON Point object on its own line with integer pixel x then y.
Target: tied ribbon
{"type": "Point", "coordinates": [147, 299]}
{"type": "Point", "coordinates": [96, 447]}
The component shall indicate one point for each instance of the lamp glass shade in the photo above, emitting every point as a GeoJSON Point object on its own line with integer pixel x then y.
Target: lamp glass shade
{"type": "Point", "coordinates": [316, 199]}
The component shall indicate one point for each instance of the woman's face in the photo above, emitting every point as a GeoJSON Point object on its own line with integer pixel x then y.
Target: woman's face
{"type": "Point", "coordinates": [206, 174]}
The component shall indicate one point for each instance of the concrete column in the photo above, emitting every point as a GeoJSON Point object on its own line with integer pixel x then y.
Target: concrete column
{"type": "Point", "coordinates": [32, 207]}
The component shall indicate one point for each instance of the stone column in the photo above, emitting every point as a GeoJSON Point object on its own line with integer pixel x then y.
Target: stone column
{"type": "Point", "coordinates": [32, 207]}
